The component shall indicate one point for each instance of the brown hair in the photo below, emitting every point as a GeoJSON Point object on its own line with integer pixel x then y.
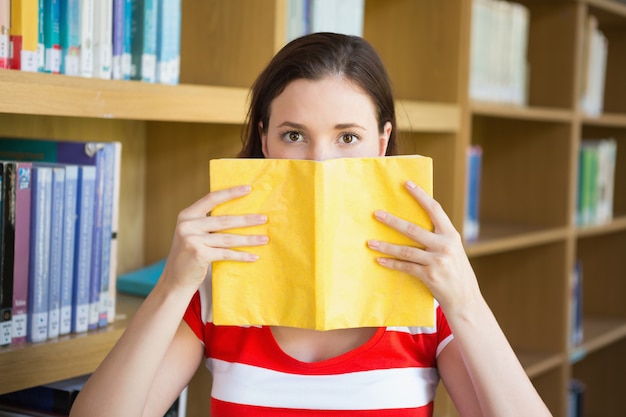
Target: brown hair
{"type": "Point", "coordinates": [314, 57]}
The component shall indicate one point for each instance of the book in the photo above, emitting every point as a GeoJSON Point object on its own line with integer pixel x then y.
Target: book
{"type": "Point", "coordinates": [103, 39]}
{"type": "Point", "coordinates": [86, 38]}
{"type": "Point", "coordinates": [118, 39]}
{"type": "Point", "coordinates": [141, 281]}
{"type": "Point", "coordinates": [115, 220]}
{"type": "Point", "coordinates": [24, 35]}
{"type": "Point", "coordinates": [577, 305]}
{"type": "Point", "coordinates": [56, 397]}
{"type": "Point", "coordinates": [317, 271]}
{"type": "Point", "coordinates": [70, 37]}
{"type": "Point", "coordinates": [41, 35]}
{"type": "Point", "coordinates": [471, 224]}
{"type": "Point", "coordinates": [52, 36]}
{"type": "Point", "coordinates": [144, 40]}
{"type": "Point", "coordinates": [168, 41]}
{"type": "Point", "coordinates": [21, 260]}
{"type": "Point", "coordinates": [596, 177]}
{"type": "Point", "coordinates": [56, 249]}
{"type": "Point", "coordinates": [595, 51]}
{"type": "Point", "coordinates": [5, 40]}
{"type": "Point", "coordinates": [70, 205]}
{"type": "Point", "coordinates": [83, 245]}
{"type": "Point", "coordinates": [39, 269]}
{"type": "Point", "coordinates": [337, 16]}
{"type": "Point", "coordinates": [128, 40]}
{"type": "Point", "coordinates": [6, 256]}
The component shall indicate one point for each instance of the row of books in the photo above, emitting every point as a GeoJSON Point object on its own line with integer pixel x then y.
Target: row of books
{"type": "Point", "coordinates": [596, 178]}
{"type": "Point", "coordinates": [595, 51]}
{"type": "Point", "coordinates": [118, 39]}
{"type": "Point", "coordinates": [309, 16]}
{"type": "Point", "coordinates": [57, 398]}
{"type": "Point", "coordinates": [499, 41]}
{"type": "Point", "coordinates": [59, 237]}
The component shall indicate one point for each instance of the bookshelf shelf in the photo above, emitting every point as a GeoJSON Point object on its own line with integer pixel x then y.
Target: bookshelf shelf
{"type": "Point", "coordinates": [606, 120]}
{"type": "Point", "coordinates": [599, 332]}
{"type": "Point", "coordinates": [617, 224]}
{"type": "Point", "coordinates": [495, 238]}
{"type": "Point", "coordinates": [521, 112]}
{"type": "Point", "coordinates": [66, 357]}
{"type": "Point", "coordinates": [538, 363]}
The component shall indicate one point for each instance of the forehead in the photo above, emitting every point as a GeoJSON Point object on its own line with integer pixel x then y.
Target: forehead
{"type": "Point", "coordinates": [331, 97]}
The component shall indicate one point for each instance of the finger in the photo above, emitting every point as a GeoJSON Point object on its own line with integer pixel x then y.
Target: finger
{"type": "Point", "coordinates": [219, 223]}
{"type": "Point", "coordinates": [431, 206]}
{"type": "Point", "coordinates": [222, 254]}
{"type": "Point", "coordinates": [410, 268]}
{"type": "Point", "coordinates": [403, 252]}
{"type": "Point", "coordinates": [409, 229]}
{"type": "Point", "coordinates": [207, 203]}
{"type": "Point", "coordinates": [227, 240]}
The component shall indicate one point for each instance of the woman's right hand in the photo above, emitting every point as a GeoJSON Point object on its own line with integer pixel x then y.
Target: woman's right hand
{"type": "Point", "coordinates": [198, 241]}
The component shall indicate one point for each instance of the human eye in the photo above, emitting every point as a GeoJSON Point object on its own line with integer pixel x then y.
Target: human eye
{"type": "Point", "coordinates": [292, 136]}
{"type": "Point", "coordinates": [349, 138]}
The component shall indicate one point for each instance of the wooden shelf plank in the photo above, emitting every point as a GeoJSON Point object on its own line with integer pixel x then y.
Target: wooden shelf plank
{"type": "Point", "coordinates": [521, 112]}
{"type": "Point", "coordinates": [598, 332]}
{"type": "Point", "coordinates": [605, 120]}
{"type": "Point", "coordinates": [60, 95]}
{"type": "Point", "coordinates": [616, 225]}
{"type": "Point", "coordinates": [537, 363]}
{"type": "Point", "coordinates": [33, 364]}
{"type": "Point", "coordinates": [414, 116]}
{"type": "Point", "coordinates": [496, 238]}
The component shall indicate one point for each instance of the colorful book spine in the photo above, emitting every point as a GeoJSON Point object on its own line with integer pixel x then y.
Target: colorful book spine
{"type": "Point", "coordinates": [24, 35]}
{"type": "Point", "coordinates": [471, 225]}
{"type": "Point", "coordinates": [70, 37]}
{"type": "Point", "coordinates": [168, 41]}
{"type": "Point", "coordinates": [41, 36]}
{"type": "Point", "coordinates": [103, 39]}
{"type": "Point", "coordinates": [115, 219]}
{"type": "Point", "coordinates": [39, 272]}
{"type": "Point", "coordinates": [86, 38]}
{"type": "Point", "coordinates": [127, 43]}
{"type": "Point", "coordinates": [52, 36]}
{"type": "Point", "coordinates": [5, 40]}
{"type": "Point", "coordinates": [69, 232]}
{"type": "Point", "coordinates": [56, 251]}
{"type": "Point", "coordinates": [118, 39]}
{"type": "Point", "coordinates": [83, 246]}
{"type": "Point", "coordinates": [144, 38]}
{"type": "Point", "coordinates": [21, 264]}
{"type": "Point", "coordinates": [6, 280]}
{"type": "Point", "coordinates": [97, 243]}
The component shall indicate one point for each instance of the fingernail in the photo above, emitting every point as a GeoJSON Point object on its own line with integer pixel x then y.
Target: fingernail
{"type": "Point", "coordinates": [262, 218]}
{"type": "Point", "coordinates": [263, 239]}
{"type": "Point", "coordinates": [382, 261]}
{"type": "Point", "coordinates": [245, 188]}
{"type": "Point", "coordinates": [374, 244]}
{"type": "Point", "coordinates": [410, 184]}
{"type": "Point", "coordinates": [253, 257]}
{"type": "Point", "coordinates": [380, 215]}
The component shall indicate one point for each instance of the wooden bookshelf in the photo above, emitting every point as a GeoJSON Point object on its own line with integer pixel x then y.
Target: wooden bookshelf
{"type": "Point", "coordinates": [528, 242]}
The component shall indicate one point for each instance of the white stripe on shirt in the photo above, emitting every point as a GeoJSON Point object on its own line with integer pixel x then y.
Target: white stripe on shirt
{"type": "Point", "coordinates": [368, 390]}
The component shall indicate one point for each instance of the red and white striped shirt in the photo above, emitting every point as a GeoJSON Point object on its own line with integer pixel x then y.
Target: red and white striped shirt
{"type": "Point", "coordinates": [393, 374]}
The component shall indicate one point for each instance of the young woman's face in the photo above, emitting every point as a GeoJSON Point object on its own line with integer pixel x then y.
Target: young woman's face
{"type": "Point", "coordinates": [326, 119]}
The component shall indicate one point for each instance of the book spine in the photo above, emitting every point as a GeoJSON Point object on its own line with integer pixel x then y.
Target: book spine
{"type": "Point", "coordinates": [115, 216]}
{"type": "Point", "coordinates": [103, 38]}
{"type": "Point", "coordinates": [70, 37]}
{"type": "Point", "coordinates": [127, 43]}
{"type": "Point", "coordinates": [5, 26]}
{"type": "Point", "coordinates": [52, 36]}
{"type": "Point", "coordinates": [22, 251]}
{"type": "Point", "coordinates": [69, 231]}
{"type": "Point", "coordinates": [56, 251]}
{"type": "Point", "coordinates": [168, 41]}
{"type": "Point", "coordinates": [39, 254]}
{"type": "Point", "coordinates": [83, 245]}
{"type": "Point", "coordinates": [28, 51]}
{"type": "Point", "coordinates": [96, 248]}
{"type": "Point", "coordinates": [108, 162]}
{"type": "Point", "coordinates": [6, 281]}
{"type": "Point", "coordinates": [471, 226]}
{"type": "Point", "coordinates": [15, 36]}
{"type": "Point", "coordinates": [86, 38]}
{"type": "Point", "coordinates": [148, 53]}
{"type": "Point", "coordinates": [41, 34]}
{"type": "Point", "coordinates": [118, 39]}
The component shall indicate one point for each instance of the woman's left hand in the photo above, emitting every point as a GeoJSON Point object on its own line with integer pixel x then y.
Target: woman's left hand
{"type": "Point", "coordinates": [438, 258]}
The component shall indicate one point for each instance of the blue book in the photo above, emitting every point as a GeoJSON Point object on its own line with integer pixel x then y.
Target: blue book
{"type": "Point", "coordinates": [6, 280]}
{"type": "Point", "coordinates": [141, 281]}
{"type": "Point", "coordinates": [69, 237]}
{"type": "Point", "coordinates": [118, 39]}
{"type": "Point", "coordinates": [86, 192]}
{"type": "Point", "coordinates": [56, 249]}
{"type": "Point", "coordinates": [144, 38]}
{"type": "Point", "coordinates": [70, 37]}
{"type": "Point", "coordinates": [52, 36]}
{"type": "Point", "coordinates": [168, 41]}
{"type": "Point", "coordinates": [471, 226]}
{"type": "Point", "coordinates": [41, 46]}
{"type": "Point", "coordinates": [127, 43]}
{"type": "Point", "coordinates": [39, 271]}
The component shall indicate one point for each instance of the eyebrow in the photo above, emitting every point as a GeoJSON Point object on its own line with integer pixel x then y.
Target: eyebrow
{"type": "Point", "coordinates": [337, 126]}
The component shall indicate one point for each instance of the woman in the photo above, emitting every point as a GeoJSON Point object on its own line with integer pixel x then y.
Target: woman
{"type": "Point", "coordinates": [322, 96]}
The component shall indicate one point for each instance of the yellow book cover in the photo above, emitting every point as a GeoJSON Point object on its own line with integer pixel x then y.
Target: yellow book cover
{"type": "Point", "coordinates": [317, 271]}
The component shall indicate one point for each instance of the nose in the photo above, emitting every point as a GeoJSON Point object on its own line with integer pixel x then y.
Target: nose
{"type": "Point", "coordinates": [320, 152]}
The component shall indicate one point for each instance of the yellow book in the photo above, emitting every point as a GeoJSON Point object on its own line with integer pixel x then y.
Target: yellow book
{"type": "Point", "coordinates": [317, 271]}
{"type": "Point", "coordinates": [24, 35]}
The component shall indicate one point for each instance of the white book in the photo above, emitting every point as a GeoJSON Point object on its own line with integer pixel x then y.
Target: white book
{"type": "Point", "coordinates": [345, 16]}
{"type": "Point", "coordinates": [86, 38]}
{"type": "Point", "coordinates": [103, 39]}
